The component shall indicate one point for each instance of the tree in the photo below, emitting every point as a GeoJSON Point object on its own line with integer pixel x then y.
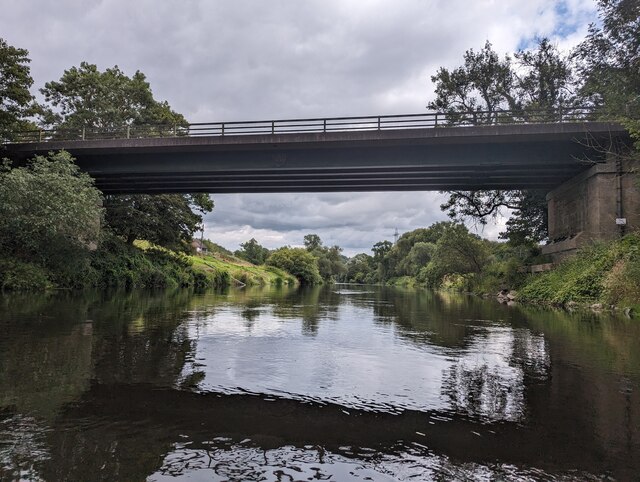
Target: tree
{"type": "Point", "coordinates": [608, 63]}
{"type": "Point", "coordinates": [87, 98]}
{"type": "Point", "coordinates": [360, 269]}
{"type": "Point", "coordinates": [476, 93]}
{"type": "Point", "coordinates": [165, 219]}
{"type": "Point", "coordinates": [456, 252]}
{"type": "Point", "coordinates": [253, 252]}
{"type": "Point", "coordinates": [312, 241]}
{"type": "Point", "coordinates": [297, 261]}
{"type": "Point", "coordinates": [50, 212]}
{"type": "Point", "coordinates": [16, 101]}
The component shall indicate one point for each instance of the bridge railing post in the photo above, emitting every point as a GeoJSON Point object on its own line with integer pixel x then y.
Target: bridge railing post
{"type": "Point", "coordinates": [83, 133]}
{"type": "Point", "coordinates": [128, 132]}
{"type": "Point", "coordinates": [222, 130]}
{"type": "Point", "coordinates": [273, 127]}
{"type": "Point", "coordinates": [378, 122]}
{"type": "Point", "coordinates": [324, 125]}
{"type": "Point", "coordinates": [435, 123]}
{"type": "Point", "coordinates": [40, 135]}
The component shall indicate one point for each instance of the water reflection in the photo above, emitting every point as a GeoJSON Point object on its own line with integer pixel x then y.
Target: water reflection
{"type": "Point", "coordinates": [348, 382]}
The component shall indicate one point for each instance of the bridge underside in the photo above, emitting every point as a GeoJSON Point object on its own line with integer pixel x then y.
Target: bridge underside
{"type": "Point", "coordinates": [531, 156]}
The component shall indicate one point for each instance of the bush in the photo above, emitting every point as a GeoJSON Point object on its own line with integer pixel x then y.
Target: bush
{"type": "Point", "coordinates": [606, 272]}
{"type": "Point", "coordinates": [299, 262]}
{"type": "Point", "coordinates": [17, 276]}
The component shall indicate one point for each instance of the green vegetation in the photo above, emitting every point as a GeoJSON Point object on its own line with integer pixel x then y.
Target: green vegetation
{"type": "Point", "coordinates": [444, 256]}
{"type": "Point", "coordinates": [16, 101]}
{"type": "Point", "coordinates": [239, 271]}
{"type": "Point", "coordinates": [607, 273]}
{"type": "Point", "coordinates": [252, 251]}
{"type": "Point", "coordinates": [297, 261]}
{"type": "Point", "coordinates": [603, 72]}
{"type": "Point", "coordinates": [50, 216]}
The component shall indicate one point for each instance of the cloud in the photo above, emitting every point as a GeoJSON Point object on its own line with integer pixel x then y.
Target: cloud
{"type": "Point", "coordinates": [242, 60]}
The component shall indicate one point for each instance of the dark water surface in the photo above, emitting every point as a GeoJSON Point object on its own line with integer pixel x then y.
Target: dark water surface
{"type": "Point", "coordinates": [336, 383]}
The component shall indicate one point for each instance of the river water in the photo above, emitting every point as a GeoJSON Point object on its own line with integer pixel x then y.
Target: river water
{"type": "Point", "coordinates": [334, 383]}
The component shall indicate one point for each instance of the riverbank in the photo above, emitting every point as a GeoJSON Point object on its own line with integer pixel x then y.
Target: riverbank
{"type": "Point", "coordinates": [602, 276]}
{"type": "Point", "coordinates": [116, 264]}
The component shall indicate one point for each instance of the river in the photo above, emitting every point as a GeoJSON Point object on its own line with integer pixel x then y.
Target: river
{"type": "Point", "coordinates": [335, 383]}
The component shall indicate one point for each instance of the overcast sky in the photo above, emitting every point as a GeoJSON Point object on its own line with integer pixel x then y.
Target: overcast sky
{"type": "Point", "coordinates": [216, 60]}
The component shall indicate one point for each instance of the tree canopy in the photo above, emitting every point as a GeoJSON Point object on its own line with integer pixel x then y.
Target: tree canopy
{"type": "Point", "coordinates": [16, 101]}
{"type": "Point", "coordinates": [608, 63]}
{"type": "Point", "coordinates": [50, 212]}
{"type": "Point", "coordinates": [297, 261]}
{"type": "Point", "coordinates": [532, 84]}
{"type": "Point", "coordinates": [86, 97]}
{"type": "Point", "coordinates": [253, 252]}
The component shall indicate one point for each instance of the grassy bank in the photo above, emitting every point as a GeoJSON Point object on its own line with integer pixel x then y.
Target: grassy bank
{"type": "Point", "coordinates": [606, 273]}
{"type": "Point", "coordinates": [117, 264]}
{"type": "Point", "coordinates": [241, 272]}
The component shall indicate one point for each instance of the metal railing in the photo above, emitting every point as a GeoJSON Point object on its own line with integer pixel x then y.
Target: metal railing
{"type": "Point", "coordinates": [313, 125]}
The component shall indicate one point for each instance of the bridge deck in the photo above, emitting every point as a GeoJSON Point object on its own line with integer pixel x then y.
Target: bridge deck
{"type": "Point", "coordinates": [444, 158]}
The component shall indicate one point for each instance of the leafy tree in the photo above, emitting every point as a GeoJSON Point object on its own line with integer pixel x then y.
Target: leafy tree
{"type": "Point", "coordinates": [360, 269]}
{"type": "Point", "coordinates": [297, 261]}
{"type": "Point", "coordinates": [253, 252]}
{"type": "Point", "coordinates": [50, 212]}
{"type": "Point", "coordinates": [312, 241]}
{"type": "Point", "coordinates": [381, 260]}
{"type": "Point", "coordinates": [456, 252]}
{"type": "Point", "coordinates": [546, 81]}
{"type": "Point", "coordinates": [476, 93]}
{"type": "Point", "coordinates": [609, 63]}
{"type": "Point", "coordinates": [16, 101]}
{"type": "Point", "coordinates": [164, 219]}
{"type": "Point", "coordinates": [331, 263]}
{"type": "Point", "coordinates": [86, 97]}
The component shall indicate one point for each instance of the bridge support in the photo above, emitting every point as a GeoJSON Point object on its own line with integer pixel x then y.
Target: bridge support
{"type": "Point", "coordinates": [601, 203]}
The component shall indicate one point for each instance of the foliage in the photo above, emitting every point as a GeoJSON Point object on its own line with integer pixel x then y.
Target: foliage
{"type": "Point", "coordinates": [87, 98]}
{"type": "Point", "coordinates": [331, 263]}
{"type": "Point", "coordinates": [216, 248]}
{"type": "Point", "coordinates": [476, 93]}
{"type": "Point", "coordinates": [239, 271]}
{"type": "Point", "coordinates": [609, 63]}
{"type": "Point", "coordinates": [312, 242]}
{"type": "Point", "coordinates": [297, 261]}
{"type": "Point", "coordinates": [253, 252]}
{"type": "Point", "coordinates": [360, 269]}
{"type": "Point", "coordinates": [16, 101]}
{"type": "Point", "coordinates": [163, 219]}
{"type": "Point", "coordinates": [50, 213]}
{"type": "Point", "coordinates": [117, 264]}
{"type": "Point", "coordinates": [605, 272]}
{"type": "Point", "coordinates": [456, 252]}
{"type": "Point", "coordinates": [20, 276]}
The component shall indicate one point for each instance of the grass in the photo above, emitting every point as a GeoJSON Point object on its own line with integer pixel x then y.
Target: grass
{"type": "Point", "coordinates": [607, 273]}
{"type": "Point", "coordinates": [242, 272]}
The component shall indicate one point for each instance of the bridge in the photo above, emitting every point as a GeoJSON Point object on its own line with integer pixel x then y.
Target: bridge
{"type": "Point", "coordinates": [416, 152]}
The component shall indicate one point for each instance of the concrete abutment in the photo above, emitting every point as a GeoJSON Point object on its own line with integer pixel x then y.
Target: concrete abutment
{"type": "Point", "coordinates": [592, 205]}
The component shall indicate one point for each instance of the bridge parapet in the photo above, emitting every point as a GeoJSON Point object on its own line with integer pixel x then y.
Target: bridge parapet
{"type": "Point", "coordinates": [426, 120]}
